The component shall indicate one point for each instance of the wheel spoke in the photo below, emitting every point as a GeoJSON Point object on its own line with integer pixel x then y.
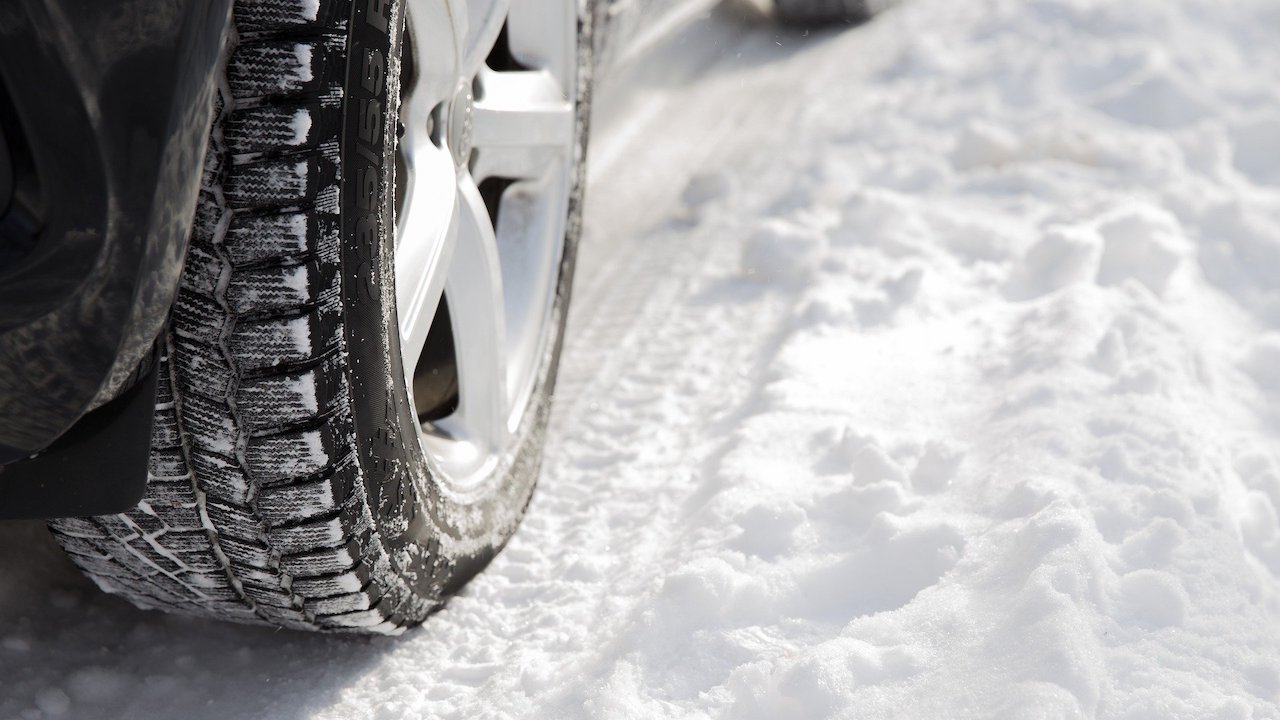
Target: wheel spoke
{"type": "Point", "coordinates": [485, 21]}
{"type": "Point", "coordinates": [520, 121]}
{"type": "Point", "coordinates": [464, 122]}
{"type": "Point", "coordinates": [425, 238]}
{"type": "Point", "coordinates": [545, 37]}
{"type": "Point", "coordinates": [434, 32]}
{"type": "Point", "coordinates": [474, 289]}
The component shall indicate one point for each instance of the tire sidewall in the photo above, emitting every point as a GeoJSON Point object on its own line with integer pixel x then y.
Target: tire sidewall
{"type": "Point", "coordinates": [435, 539]}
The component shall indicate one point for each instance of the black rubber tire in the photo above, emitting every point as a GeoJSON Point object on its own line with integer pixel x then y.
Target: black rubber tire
{"type": "Point", "coordinates": [816, 12]}
{"type": "Point", "coordinates": [287, 486]}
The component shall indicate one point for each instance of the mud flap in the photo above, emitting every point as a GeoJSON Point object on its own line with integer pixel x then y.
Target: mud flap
{"type": "Point", "coordinates": [99, 467]}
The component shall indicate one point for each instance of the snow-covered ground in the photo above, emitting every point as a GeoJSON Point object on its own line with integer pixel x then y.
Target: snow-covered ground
{"type": "Point", "coordinates": [929, 369]}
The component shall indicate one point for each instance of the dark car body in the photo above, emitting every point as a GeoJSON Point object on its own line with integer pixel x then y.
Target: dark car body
{"type": "Point", "coordinates": [104, 112]}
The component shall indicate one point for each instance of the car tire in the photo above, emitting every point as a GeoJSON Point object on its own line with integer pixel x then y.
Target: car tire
{"type": "Point", "coordinates": [293, 482]}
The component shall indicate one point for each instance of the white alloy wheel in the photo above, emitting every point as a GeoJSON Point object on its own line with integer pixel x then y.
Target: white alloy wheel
{"type": "Point", "coordinates": [486, 161]}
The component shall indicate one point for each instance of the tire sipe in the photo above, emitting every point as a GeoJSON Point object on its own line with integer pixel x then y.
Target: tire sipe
{"type": "Point", "coordinates": [290, 483]}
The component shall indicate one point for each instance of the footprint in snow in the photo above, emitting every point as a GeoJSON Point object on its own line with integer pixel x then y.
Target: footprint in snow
{"type": "Point", "coordinates": [937, 467]}
{"type": "Point", "coordinates": [1259, 514]}
{"type": "Point", "coordinates": [781, 252]}
{"type": "Point", "coordinates": [1262, 364]}
{"type": "Point", "coordinates": [1064, 256]}
{"type": "Point", "coordinates": [702, 192]}
{"type": "Point", "coordinates": [1257, 144]}
{"type": "Point", "coordinates": [884, 570]}
{"type": "Point", "coordinates": [1142, 243]}
{"type": "Point", "coordinates": [1150, 599]}
{"type": "Point", "coordinates": [846, 450]}
{"type": "Point", "coordinates": [1160, 98]}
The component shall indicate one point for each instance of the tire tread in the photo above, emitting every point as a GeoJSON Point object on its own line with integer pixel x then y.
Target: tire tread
{"type": "Point", "coordinates": [254, 500]}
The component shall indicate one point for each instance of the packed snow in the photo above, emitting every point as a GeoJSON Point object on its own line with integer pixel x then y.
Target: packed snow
{"type": "Point", "coordinates": [924, 369]}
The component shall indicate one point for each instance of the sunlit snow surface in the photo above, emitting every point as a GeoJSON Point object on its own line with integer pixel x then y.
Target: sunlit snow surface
{"type": "Point", "coordinates": [929, 369]}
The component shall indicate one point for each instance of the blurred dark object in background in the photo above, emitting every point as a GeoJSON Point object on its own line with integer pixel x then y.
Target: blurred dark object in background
{"type": "Point", "coordinates": [809, 12]}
